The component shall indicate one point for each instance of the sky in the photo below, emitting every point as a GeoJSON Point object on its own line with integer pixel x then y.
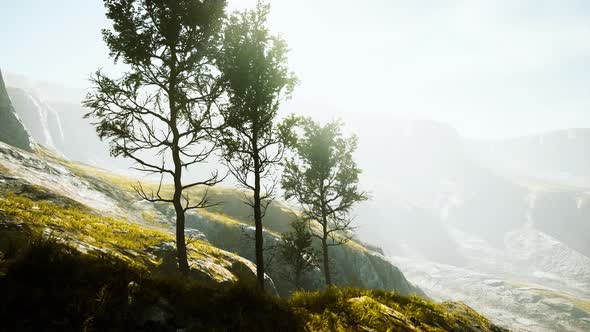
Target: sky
{"type": "Point", "coordinates": [490, 69]}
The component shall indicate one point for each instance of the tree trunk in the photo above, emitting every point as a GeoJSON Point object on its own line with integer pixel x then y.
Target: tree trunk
{"type": "Point", "coordinates": [325, 236]}
{"type": "Point", "coordinates": [326, 257]}
{"type": "Point", "coordinates": [177, 197]}
{"type": "Point", "coordinates": [177, 202]}
{"type": "Point", "coordinates": [180, 240]}
{"type": "Point", "coordinates": [326, 264]}
{"type": "Point", "coordinates": [258, 219]}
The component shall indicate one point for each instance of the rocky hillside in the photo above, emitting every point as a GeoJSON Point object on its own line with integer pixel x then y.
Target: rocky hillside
{"type": "Point", "coordinates": [225, 227]}
{"type": "Point", "coordinates": [60, 129]}
{"type": "Point", "coordinates": [42, 121]}
{"type": "Point", "coordinates": [40, 197]}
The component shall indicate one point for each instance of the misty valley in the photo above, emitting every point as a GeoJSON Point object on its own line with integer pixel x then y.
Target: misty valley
{"type": "Point", "coordinates": [186, 185]}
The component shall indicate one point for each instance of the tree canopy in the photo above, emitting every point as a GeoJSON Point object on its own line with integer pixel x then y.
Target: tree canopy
{"type": "Point", "coordinates": [256, 79]}
{"type": "Point", "coordinates": [323, 178]}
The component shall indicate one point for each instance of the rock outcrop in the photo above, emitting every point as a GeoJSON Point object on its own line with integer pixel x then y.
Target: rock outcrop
{"type": "Point", "coordinates": [352, 264]}
{"type": "Point", "coordinates": [12, 130]}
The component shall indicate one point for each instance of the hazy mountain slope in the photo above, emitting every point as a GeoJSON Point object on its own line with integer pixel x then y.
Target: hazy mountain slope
{"type": "Point", "coordinates": [453, 221]}
{"type": "Point", "coordinates": [425, 178]}
{"type": "Point", "coordinates": [12, 130]}
{"type": "Point", "coordinates": [558, 156]}
{"type": "Point", "coordinates": [53, 115]}
{"type": "Point", "coordinates": [42, 121]}
{"type": "Point", "coordinates": [566, 216]}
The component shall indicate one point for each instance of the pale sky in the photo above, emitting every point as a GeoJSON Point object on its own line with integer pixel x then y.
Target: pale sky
{"type": "Point", "coordinates": [490, 69]}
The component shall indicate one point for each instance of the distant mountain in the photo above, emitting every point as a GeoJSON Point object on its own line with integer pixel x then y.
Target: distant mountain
{"type": "Point", "coordinates": [12, 130]}
{"type": "Point", "coordinates": [561, 157]}
{"type": "Point", "coordinates": [428, 172]}
{"type": "Point", "coordinates": [424, 167]}
{"type": "Point", "coordinates": [42, 121]}
{"type": "Point", "coordinates": [53, 115]}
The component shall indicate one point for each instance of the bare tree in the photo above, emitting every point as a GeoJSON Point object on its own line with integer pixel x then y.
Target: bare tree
{"type": "Point", "coordinates": [161, 112]}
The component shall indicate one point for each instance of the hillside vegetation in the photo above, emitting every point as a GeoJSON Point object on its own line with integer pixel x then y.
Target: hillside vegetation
{"type": "Point", "coordinates": [79, 251]}
{"type": "Point", "coordinates": [48, 285]}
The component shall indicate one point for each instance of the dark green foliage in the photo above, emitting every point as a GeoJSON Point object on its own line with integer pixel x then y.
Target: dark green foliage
{"type": "Point", "coordinates": [296, 250]}
{"type": "Point", "coordinates": [164, 104]}
{"type": "Point", "coordinates": [256, 78]}
{"type": "Point", "coordinates": [323, 178]}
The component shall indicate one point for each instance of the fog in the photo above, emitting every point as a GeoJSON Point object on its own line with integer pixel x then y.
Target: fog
{"type": "Point", "coordinates": [470, 117]}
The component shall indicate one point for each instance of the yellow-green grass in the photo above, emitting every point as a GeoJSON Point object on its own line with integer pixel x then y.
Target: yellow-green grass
{"type": "Point", "coordinates": [149, 216]}
{"type": "Point", "coordinates": [116, 235]}
{"type": "Point", "coordinates": [339, 309]}
{"type": "Point", "coordinates": [119, 237]}
{"type": "Point", "coordinates": [230, 208]}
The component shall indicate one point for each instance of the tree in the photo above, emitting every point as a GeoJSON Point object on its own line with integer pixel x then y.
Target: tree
{"type": "Point", "coordinates": [297, 252]}
{"type": "Point", "coordinates": [256, 79]}
{"type": "Point", "coordinates": [322, 177]}
{"type": "Point", "coordinates": [162, 108]}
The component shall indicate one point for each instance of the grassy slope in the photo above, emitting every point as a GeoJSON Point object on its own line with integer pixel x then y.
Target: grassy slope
{"type": "Point", "coordinates": [351, 261]}
{"type": "Point", "coordinates": [231, 208]}
{"type": "Point", "coordinates": [66, 267]}
{"type": "Point", "coordinates": [49, 286]}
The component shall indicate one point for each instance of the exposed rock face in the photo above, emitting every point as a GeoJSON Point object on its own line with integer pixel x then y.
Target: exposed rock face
{"type": "Point", "coordinates": [55, 177]}
{"type": "Point", "coordinates": [351, 266]}
{"type": "Point", "coordinates": [12, 130]}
